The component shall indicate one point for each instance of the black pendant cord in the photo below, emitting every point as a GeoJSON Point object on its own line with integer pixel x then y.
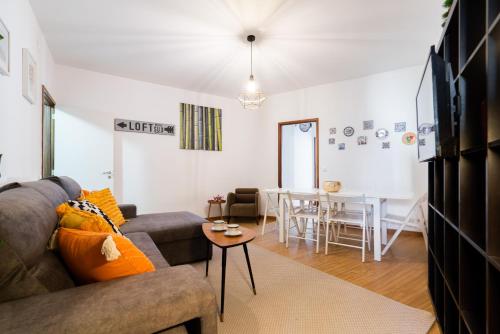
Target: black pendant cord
{"type": "Point", "coordinates": [251, 59]}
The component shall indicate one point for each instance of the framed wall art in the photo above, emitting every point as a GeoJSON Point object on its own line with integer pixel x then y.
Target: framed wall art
{"type": "Point", "coordinates": [200, 128]}
{"type": "Point", "coordinates": [4, 49]}
{"type": "Point", "coordinates": [29, 77]}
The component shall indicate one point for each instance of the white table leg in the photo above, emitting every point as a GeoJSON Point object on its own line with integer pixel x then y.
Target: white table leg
{"type": "Point", "coordinates": [383, 212]}
{"type": "Point", "coordinates": [281, 219]}
{"type": "Point", "coordinates": [377, 246]}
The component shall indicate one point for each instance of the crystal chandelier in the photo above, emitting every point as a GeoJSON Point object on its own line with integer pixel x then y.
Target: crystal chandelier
{"type": "Point", "coordinates": [251, 97]}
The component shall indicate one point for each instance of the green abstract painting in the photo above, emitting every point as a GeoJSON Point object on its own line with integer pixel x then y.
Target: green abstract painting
{"type": "Point", "coordinates": [200, 128]}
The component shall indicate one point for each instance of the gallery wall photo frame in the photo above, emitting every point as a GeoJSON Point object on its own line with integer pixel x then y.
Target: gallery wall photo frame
{"type": "Point", "coordinates": [4, 49]}
{"type": "Point", "coordinates": [30, 77]}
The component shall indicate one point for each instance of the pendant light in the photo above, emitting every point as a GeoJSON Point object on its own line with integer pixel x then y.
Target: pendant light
{"type": "Point", "coordinates": [251, 97]}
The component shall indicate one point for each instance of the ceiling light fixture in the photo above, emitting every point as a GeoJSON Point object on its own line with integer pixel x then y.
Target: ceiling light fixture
{"type": "Point", "coordinates": [251, 97]}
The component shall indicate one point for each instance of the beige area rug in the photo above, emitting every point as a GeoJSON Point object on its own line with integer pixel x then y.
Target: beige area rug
{"type": "Point", "coordinates": [294, 298]}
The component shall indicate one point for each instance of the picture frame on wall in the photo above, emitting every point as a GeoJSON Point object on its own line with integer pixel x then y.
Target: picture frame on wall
{"type": "Point", "coordinates": [4, 49]}
{"type": "Point", "coordinates": [29, 77]}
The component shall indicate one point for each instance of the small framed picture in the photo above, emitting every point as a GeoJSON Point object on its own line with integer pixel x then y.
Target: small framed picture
{"type": "Point", "coordinates": [400, 127]}
{"type": "Point", "coordinates": [333, 131]}
{"type": "Point", "coordinates": [362, 140]}
{"type": "Point", "coordinates": [368, 125]}
{"type": "Point", "coordinates": [331, 141]}
{"type": "Point", "coordinates": [4, 49]}
{"type": "Point", "coordinates": [386, 145]}
{"type": "Point", "coordinates": [342, 146]}
{"type": "Point", "coordinates": [29, 77]}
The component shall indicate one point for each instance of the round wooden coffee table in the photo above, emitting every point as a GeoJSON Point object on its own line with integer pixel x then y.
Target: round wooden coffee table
{"type": "Point", "coordinates": [223, 242]}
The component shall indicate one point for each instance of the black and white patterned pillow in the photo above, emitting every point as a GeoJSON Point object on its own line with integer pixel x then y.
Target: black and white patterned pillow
{"type": "Point", "coordinates": [92, 208]}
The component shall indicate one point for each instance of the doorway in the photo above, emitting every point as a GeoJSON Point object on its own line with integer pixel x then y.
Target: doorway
{"type": "Point", "coordinates": [48, 128]}
{"type": "Point", "coordinates": [298, 154]}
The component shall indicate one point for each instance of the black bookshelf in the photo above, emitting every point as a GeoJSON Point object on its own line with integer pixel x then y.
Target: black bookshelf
{"type": "Point", "coordinates": [464, 192]}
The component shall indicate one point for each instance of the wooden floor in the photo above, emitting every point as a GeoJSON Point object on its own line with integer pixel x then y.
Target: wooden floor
{"type": "Point", "coordinates": [402, 275]}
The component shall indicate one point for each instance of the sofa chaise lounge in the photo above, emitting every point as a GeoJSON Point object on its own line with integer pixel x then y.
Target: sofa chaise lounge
{"type": "Point", "coordinates": [38, 294]}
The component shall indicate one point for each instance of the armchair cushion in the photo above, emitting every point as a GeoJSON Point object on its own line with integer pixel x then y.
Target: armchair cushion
{"type": "Point", "coordinates": [246, 198]}
{"type": "Point", "coordinates": [243, 210]}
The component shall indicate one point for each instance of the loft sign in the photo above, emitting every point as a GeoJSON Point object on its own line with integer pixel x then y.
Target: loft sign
{"type": "Point", "coordinates": [144, 127]}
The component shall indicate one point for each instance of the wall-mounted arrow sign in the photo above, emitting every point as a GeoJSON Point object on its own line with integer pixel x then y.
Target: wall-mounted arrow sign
{"type": "Point", "coordinates": [144, 127]}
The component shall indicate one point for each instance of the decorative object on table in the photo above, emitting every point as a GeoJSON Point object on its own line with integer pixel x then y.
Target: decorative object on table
{"type": "Point", "coordinates": [232, 230]}
{"type": "Point", "coordinates": [224, 243]}
{"type": "Point", "coordinates": [251, 97]}
{"type": "Point", "coordinates": [333, 131]}
{"type": "Point", "coordinates": [409, 138]}
{"type": "Point", "coordinates": [386, 145]}
{"type": "Point", "coordinates": [331, 141]}
{"type": "Point", "coordinates": [29, 77]}
{"type": "Point", "coordinates": [368, 125]}
{"type": "Point", "coordinates": [382, 133]}
{"type": "Point", "coordinates": [305, 127]}
{"type": "Point", "coordinates": [219, 226]}
{"type": "Point", "coordinates": [447, 5]}
{"type": "Point", "coordinates": [200, 128]}
{"type": "Point", "coordinates": [332, 186]}
{"type": "Point", "coordinates": [218, 197]}
{"type": "Point", "coordinates": [4, 49]}
{"type": "Point", "coordinates": [400, 127]}
{"type": "Point", "coordinates": [348, 131]}
{"type": "Point", "coordinates": [362, 140]}
{"type": "Point", "coordinates": [341, 146]}
{"type": "Point", "coordinates": [217, 200]}
{"type": "Point", "coordinates": [153, 128]}
{"type": "Point", "coordinates": [243, 203]}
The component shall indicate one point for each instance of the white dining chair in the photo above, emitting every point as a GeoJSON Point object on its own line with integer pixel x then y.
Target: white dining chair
{"type": "Point", "coordinates": [415, 219]}
{"type": "Point", "coordinates": [272, 206]}
{"type": "Point", "coordinates": [354, 213]}
{"type": "Point", "coordinates": [301, 215]}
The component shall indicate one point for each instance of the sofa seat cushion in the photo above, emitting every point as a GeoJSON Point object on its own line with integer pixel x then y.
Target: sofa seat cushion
{"type": "Point", "coordinates": [166, 227]}
{"type": "Point", "coordinates": [143, 241]}
{"type": "Point", "coordinates": [242, 210]}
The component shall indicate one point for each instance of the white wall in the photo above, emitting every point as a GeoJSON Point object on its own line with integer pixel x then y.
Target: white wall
{"type": "Point", "coordinates": [20, 121]}
{"type": "Point", "coordinates": [150, 170]}
{"type": "Point", "coordinates": [385, 98]}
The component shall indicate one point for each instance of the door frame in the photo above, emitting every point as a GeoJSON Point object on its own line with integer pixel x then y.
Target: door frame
{"type": "Point", "coordinates": [47, 100]}
{"type": "Point", "coordinates": [316, 148]}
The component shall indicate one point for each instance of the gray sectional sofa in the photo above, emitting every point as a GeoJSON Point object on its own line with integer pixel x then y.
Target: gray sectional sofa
{"type": "Point", "coordinates": [38, 294]}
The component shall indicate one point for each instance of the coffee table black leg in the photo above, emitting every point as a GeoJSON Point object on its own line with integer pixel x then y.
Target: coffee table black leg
{"type": "Point", "coordinates": [249, 267]}
{"type": "Point", "coordinates": [208, 257]}
{"type": "Point", "coordinates": [223, 285]}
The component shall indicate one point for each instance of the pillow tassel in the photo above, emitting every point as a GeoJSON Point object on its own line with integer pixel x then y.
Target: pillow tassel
{"type": "Point", "coordinates": [109, 249]}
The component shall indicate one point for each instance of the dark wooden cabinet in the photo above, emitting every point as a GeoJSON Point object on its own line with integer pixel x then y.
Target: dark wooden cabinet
{"type": "Point", "coordinates": [464, 192]}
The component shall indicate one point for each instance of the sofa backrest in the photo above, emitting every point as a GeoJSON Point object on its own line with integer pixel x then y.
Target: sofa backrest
{"type": "Point", "coordinates": [70, 186]}
{"type": "Point", "coordinates": [27, 221]}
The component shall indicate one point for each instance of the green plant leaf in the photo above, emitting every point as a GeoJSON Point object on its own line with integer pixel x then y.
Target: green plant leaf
{"type": "Point", "coordinates": [447, 3]}
{"type": "Point", "coordinates": [1, 37]}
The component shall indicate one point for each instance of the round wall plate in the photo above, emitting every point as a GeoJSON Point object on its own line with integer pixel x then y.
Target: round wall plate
{"type": "Point", "coordinates": [382, 134]}
{"type": "Point", "coordinates": [409, 138]}
{"type": "Point", "coordinates": [348, 131]}
{"type": "Point", "coordinates": [304, 127]}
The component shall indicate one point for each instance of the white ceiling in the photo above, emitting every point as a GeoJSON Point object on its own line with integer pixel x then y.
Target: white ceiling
{"type": "Point", "coordinates": [200, 44]}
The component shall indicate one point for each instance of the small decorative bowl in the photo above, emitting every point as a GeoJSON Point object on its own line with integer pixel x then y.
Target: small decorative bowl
{"type": "Point", "coordinates": [332, 186]}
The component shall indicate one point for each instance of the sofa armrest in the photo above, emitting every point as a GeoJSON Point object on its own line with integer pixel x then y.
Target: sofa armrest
{"type": "Point", "coordinates": [128, 210]}
{"type": "Point", "coordinates": [230, 200]}
{"type": "Point", "coordinates": [145, 303]}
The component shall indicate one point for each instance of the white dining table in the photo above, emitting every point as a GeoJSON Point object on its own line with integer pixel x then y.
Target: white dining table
{"type": "Point", "coordinates": [376, 200]}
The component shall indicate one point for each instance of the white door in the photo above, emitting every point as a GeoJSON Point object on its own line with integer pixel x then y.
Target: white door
{"type": "Point", "coordinates": [84, 147]}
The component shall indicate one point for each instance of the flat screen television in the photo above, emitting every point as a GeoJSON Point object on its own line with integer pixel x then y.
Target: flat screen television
{"type": "Point", "coordinates": [436, 110]}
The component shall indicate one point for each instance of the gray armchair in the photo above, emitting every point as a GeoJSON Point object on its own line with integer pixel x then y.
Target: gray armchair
{"type": "Point", "coordinates": [244, 202]}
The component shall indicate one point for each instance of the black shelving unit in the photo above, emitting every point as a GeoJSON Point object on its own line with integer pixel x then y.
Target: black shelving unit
{"type": "Point", "coordinates": [464, 191]}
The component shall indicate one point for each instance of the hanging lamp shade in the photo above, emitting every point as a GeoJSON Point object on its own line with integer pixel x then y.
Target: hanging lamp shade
{"type": "Point", "coordinates": [251, 97]}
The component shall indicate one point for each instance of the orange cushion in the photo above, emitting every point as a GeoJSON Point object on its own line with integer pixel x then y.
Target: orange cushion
{"type": "Point", "coordinates": [105, 200]}
{"type": "Point", "coordinates": [82, 220]}
{"type": "Point", "coordinates": [82, 252]}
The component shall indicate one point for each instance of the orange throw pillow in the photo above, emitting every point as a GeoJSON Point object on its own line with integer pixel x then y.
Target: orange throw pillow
{"type": "Point", "coordinates": [94, 256]}
{"type": "Point", "coordinates": [105, 200]}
